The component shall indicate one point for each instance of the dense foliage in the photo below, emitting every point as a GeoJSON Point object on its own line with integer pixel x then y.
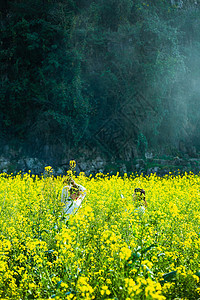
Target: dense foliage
{"type": "Point", "coordinates": [69, 66]}
{"type": "Point", "coordinates": [108, 250]}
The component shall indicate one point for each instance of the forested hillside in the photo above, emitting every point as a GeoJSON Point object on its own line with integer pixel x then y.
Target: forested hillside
{"type": "Point", "coordinates": [119, 75]}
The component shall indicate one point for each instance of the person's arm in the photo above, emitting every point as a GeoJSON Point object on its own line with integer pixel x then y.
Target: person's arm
{"type": "Point", "coordinates": [64, 194]}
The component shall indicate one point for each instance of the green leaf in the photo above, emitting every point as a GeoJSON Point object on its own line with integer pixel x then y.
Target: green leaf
{"type": "Point", "coordinates": [149, 248]}
{"type": "Point", "coordinates": [58, 284]}
{"type": "Point", "coordinates": [198, 273]}
{"type": "Point", "coordinates": [135, 256]}
{"type": "Point", "coordinates": [161, 254]}
{"type": "Point", "coordinates": [169, 276]}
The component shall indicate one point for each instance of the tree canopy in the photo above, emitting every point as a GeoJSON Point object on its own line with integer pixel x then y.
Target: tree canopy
{"type": "Point", "coordinates": [115, 74]}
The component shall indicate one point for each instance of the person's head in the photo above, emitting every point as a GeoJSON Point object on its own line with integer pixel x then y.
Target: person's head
{"type": "Point", "coordinates": [69, 181]}
{"type": "Point", "coordinates": [140, 192]}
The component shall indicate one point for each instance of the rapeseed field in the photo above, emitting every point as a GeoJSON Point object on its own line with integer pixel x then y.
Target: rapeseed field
{"type": "Point", "coordinates": [107, 250]}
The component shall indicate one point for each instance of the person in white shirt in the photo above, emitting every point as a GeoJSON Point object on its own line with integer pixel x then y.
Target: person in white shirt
{"type": "Point", "coordinates": [139, 201]}
{"type": "Point", "coordinates": [72, 197]}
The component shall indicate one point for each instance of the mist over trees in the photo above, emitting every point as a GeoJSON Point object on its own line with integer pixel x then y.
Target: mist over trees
{"type": "Point", "coordinates": [113, 74]}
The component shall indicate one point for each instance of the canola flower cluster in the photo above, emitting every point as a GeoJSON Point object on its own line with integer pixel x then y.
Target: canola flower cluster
{"type": "Point", "coordinates": [105, 251]}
